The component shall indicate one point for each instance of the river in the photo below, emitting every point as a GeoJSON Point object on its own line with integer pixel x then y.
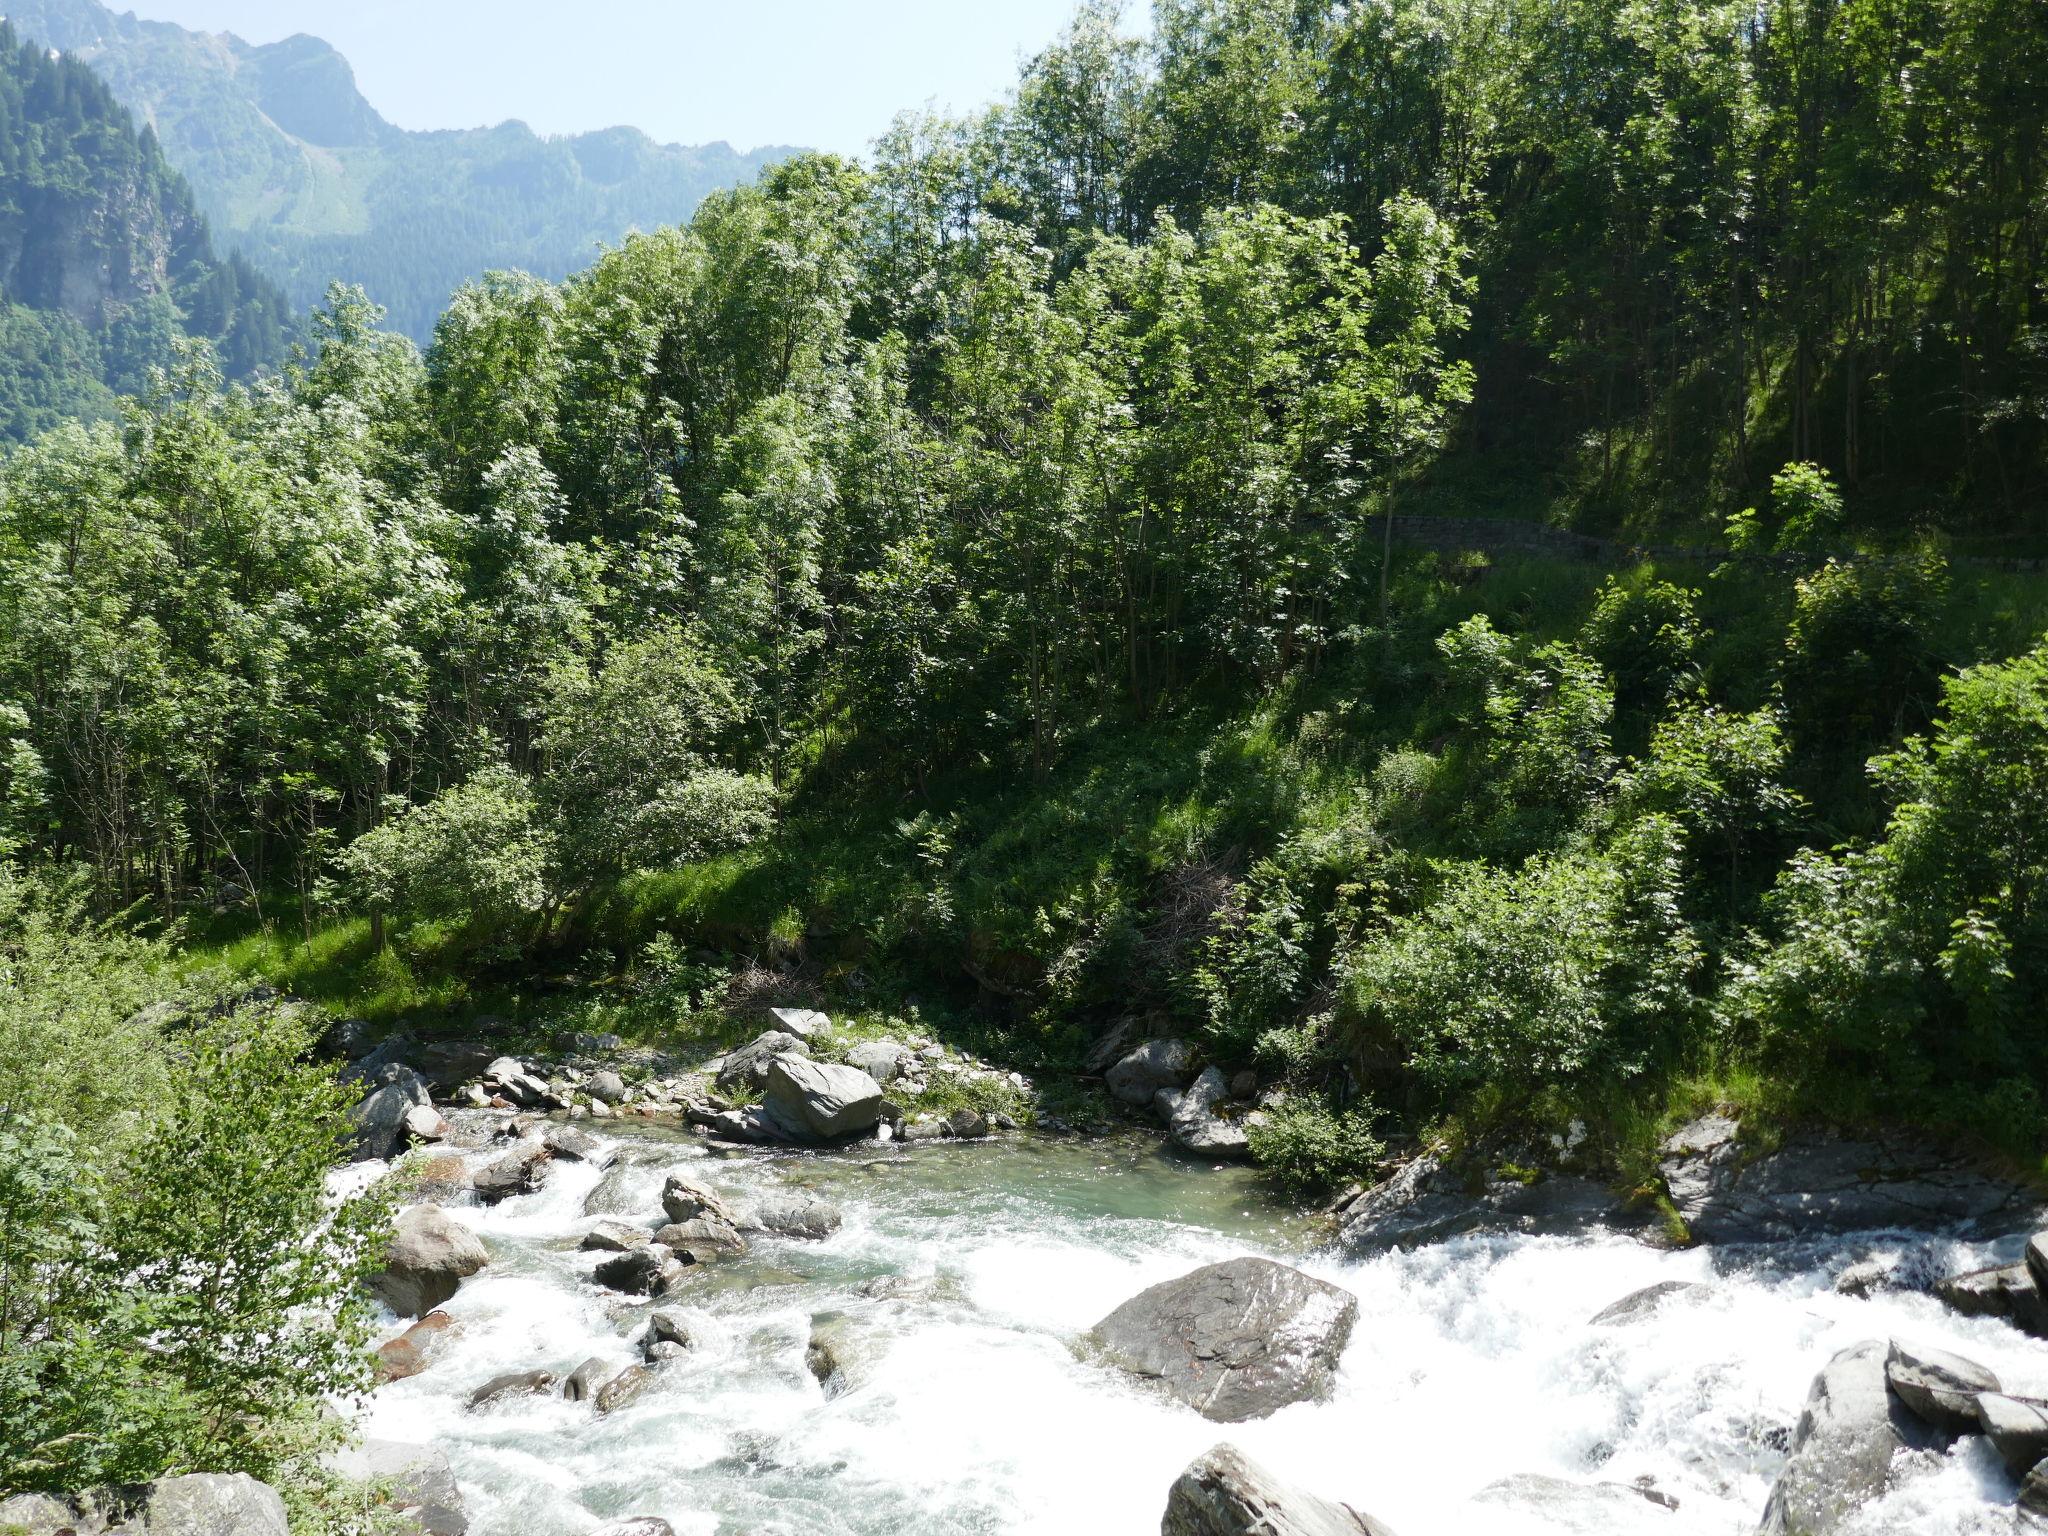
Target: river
{"type": "Point", "coordinates": [967, 1408]}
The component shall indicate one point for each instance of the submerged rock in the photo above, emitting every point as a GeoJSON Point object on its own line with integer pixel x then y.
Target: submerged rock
{"type": "Point", "coordinates": [518, 1172]}
{"type": "Point", "coordinates": [1941, 1389]}
{"type": "Point", "coordinates": [614, 1237]}
{"type": "Point", "coordinates": [821, 1101]}
{"type": "Point", "coordinates": [623, 1388]}
{"type": "Point", "coordinates": [1842, 1450]}
{"type": "Point", "coordinates": [791, 1213]}
{"type": "Point", "coordinates": [1638, 1305]}
{"type": "Point", "coordinates": [407, 1355]}
{"type": "Point", "coordinates": [701, 1239]}
{"type": "Point", "coordinates": [429, 1256]}
{"type": "Point", "coordinates": [636, 1525]}
{"type": "Point", "coordinates": [1226, 1493]}
{"type": "Point", "coordinates": [1235, 1341]}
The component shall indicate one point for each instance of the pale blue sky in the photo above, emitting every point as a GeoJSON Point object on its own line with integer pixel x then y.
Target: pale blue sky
{"type": "Point", "coordinates": [824, 73]}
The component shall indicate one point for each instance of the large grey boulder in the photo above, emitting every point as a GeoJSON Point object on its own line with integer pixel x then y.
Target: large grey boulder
{"type": "Point", "coordinates": [344, 1040]}
{"type": "Point", "coordinates": [1225, 1493]}
{"type": "Point", "coordinates": [747, 1067]}
{"type": "Point", "coordinates": [701, 1239]}
{"type": "Point", "coordinates": [1841, 1453]}
{"type": "Point", "coordinates": [198, 1504]}
{"type": "Point", "coordinates": [2017, 1426]}
{"type": "Point", "coordinates": [446, 1063]}
{"type": "Point", "coordinates": [685, 1198]}
{"type": "Point", "coordinates": [1818, 1183]}
{"type": "Point", "coordinates": [607, 1087]}
{"type": "Point", "coordinates": [1941, 1389]}
{"type": "Point", "coordinates": [820, 1101]}
{"type": "Point", "coordinates": [1235, 1341]}
{"type": "Point", "coordinates": [2004, 1290]}
{"type": "Point", "coordinates": [1193, 1122]}
{"type": "Point", "coordinates": [420, 1482]}
{"type": "Point", "coordinates": [804, 1023]}
{"type": "Point", "coordinates": [880, 1059]}
{"type": "Point", "coordinates": [1156, 1064]}
{"type": "Point", "coordinates": [379, 1119]}
{"type": "Point", "coordinates": [581, 1384]}
{"type": "Point", "coordinates": [520, 1171]}
{"type": "Point", "coordinates": [429, 1256]}
{"type": "Point", "coordinates": [1429, 1199]}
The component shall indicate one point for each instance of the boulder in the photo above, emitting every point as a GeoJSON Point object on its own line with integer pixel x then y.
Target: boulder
{"type": "Point", "coordinates": [1942, 1389]}
{"type": "Point", "coordinates": [1583, 1509]}
{"type": "Point", "coordinates": [606, 1087]}
{"type": "Point", "coordinates": [701, 1239]}
{"type": "Point", "coordinates": [880, 1059]}
{"type": "Point", "coordinates": [2037, 1260]}
{"type": "Point", "coordinates": [1842, 1450]}
{"type": "Point", "coordinates": [1154, 1065]}
{"type": "Point", "coordinates": [2031, 1516]}
{"type": "Point", "coordinates": [751, 1126]}
{"type": "Point", "coordinates": [1237, 1340]}
{"type": "Point", "coordinates": [1193, 1122]}
{"type": "Point", "coordinates": [613, 1237]}
{"type": "Point", "coordinates": [805, 1023]}
{"type": "Point", "coordinates": [199, 1504]}
{"type": "Point", "coordinates": [511, 1384]}
{"type": "Point", "coordinates": [747, 1067]}
{"type": "Point", "coordinates": [838, 1354]}
{"type": "Point", "coordinates": [38, 1514]}
{"type": "Point", "coordinates": [623, 1388]}
{"type": "Point", "coordinates": [406, 1355]}
{"type": "Point", "coordinates": [447, 1063]}
{"type": "Point", "coordinates": [1226, 1493]}
{"type": "Point", "coordinates": [423, 1122]}
{"type": "Point", "coordinates": [820, 1101]}
{"type": "Point", "coordinates": [792, 1213]}
{"type": "Point", "coordinates": [648, 1271]}
{"type": "Point", "coordinates": [366, 1071]}
{"type": "Point", "coordinates": [1638, 1305]}
{"type": "Point", "coordinates": [581, 1384]}
{"type": "Point", "coordinates": [419, 1480]}
{"type": "Point", "coordinates": [670, 1329]}
{"type": "Point", "coordinates": [429, 1256]}
{"type": "Point", "coordinates": [518, 1172]}
{"type": "Point", "coordinates": [344, 1040]}
{"type": "Point", "coordinates": [381, 1117]}
{"type": "Point", "coordinates": [2017, 1426]}
{"type": "Point", "coordinates": [1818, 1183]}
{"type": "Point", "coordinates": [684, 1198]}
{"type": "Point", "coordinates": [565, 1141]}
{"type": "Point", "coordinates": [1430, 1199]}
{"type": "Point", "coordinates": [2004, 1290]}
{"type": "Point", "coordinates": [507, 1076]}
{"type": "Point", "coordinates": [968, 1124]}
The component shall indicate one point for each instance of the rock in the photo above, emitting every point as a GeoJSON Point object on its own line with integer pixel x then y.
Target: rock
{"type": "Point", "coordinates": [430, 1254]}
{"type": "Point", "coordinates": [367, 1071]}
{"type": "Point", "coordinates": [701, 1239]}
{"type": "Point", "coordinates": [2005, 1290]}
{"type": "Point", "coordinates": [667, 1328]}
{"type": "Point", "coordinates": [443, 1179]}
{"type": "Point", "coordinates": [381, 1118]}
{"type": "Point", "coordinates": [623, 1388]}
{"type": "Point", "coordinates": [419, 1480]}
{"type": "Point", "coordinates": [589, 1043]}
{"type": "Point", "coordinates": [1818, 1184]}
{"type": "Point", "coordinates": [518, 1172]}
{"type": "Point", "coordinates": [805, 1023]}
{"type": "Point", "coordinates": [648, 1271]}
{"type": "Point", "coordinates": [2017, 1426]}
{"type": "Point", "coordinates": [445, 1063]}
{"type": "Point", "coordinates": [614, 1237]}
{"type": "Point", "coordinates": [344, 1040]}
{"type": "Point", "coordinates": [880, 1059]}
{"type": "Point", "coordinates": [1237, 1340]}
{"type": "Point", "coordinates": [424, 1123]}
{"type": "Point", "coordinates": [748, 1066]}
{"type": "Point", "coordinates": [637, 1525]}
{"type": "Point", "coordinates": [968, 1124]}
{"type": "Point", "coordinates": [1226, 1493]}
{"type": "Point", "coordinates": [406, 1355]}
{"type": "Point", "coordinates": [606, 1087]}
{"type": "Point", "coordinates": [1429, 1200]}
{"type": "Point", "coordinates": [751, 1126]}
{"type": "Point", "coordinates": [579, 1146]}
{"type": "Point", "coordinates": [1585, 1509]}
{"type": "Point", "coordinates": [1154, 1065]}
{"type": "Point", "coordinates": [511, 1384]}
{"type": "Point", "coordinates": [820, 1101]}
{"type": "Point", "coordinates": [1638, 1305]}
{"type": "Point", "coordinates": [1940, 1388]}
{"type": "Point", "coordinates": [2031, 1516]}
{"type": "Point", "coordinates": [507, 1075]}
{"type": "Point", "coordinates": [581, 1384]}
{"type": "Point", "coordinates": [797, 1213]}
{"type": "Point", "coordinates": [1860, 1280]}
{"type": "Point", "coordinates": [2037, 1260]}
{"type": "Point", "coordinates": [684, 1198]}
{"type": "Point", "coordinates": [1195, 1125]}
{"type": "Point", "coordinates": [835, 1355]}
{"type": "Point", "coordinates": [198, 1504]}
{"type": "Point", "coordinates": [38, 1514]}
{"type": "Point", "coordinates": [1842, 1449]}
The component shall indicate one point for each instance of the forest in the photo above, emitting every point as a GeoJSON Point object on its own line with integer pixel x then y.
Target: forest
{"type": "Point", "coordinates": [972, 575]}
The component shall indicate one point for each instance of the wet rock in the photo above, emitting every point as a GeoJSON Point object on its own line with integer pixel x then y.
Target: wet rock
{"type": "Point", "coordinates": [669, 1330]}
{"type": "Point", "coordinates": [1226, 1493]}
{"type": "Point", "coordinates": [443, 1180]}
{"type": "Point", "coordinates": [1842, 1450]}
{"type": "Point", "coordinates": [792, 1213]}
{"type": "Point", "coordinates": [582, 1384]}
{"type": "Point", "coordinates": [1864, 1279]}
{"type": "Point", "coordinates": [805, 1023]}
{"type": "Point", "coordinates": [880, 1059]}
{"type": "Point", "coordinates": [741, 1127]}
{"type": "Point", "coordinates": [1429, 1200]}
{"type": "Point", "coordinates": [2017, 1426]}
{"type": "Point", "coordinates": [407, 1355]}
{"type": "Point", "coordinates": [838, 1354]}
{"type": "Point", "coordinates": [1942, 1389]}
{"type": "Point", "coordinates": [1585, 1509]}
{"type": "Point", "coordinates": [1237, 1340]}
{"type": "Point", "coordinates": [606, 1087]}
{"type": "Point", "coordinates": [1819, 1183]}
{"type": "Point", "coordinates": [1156, 1064]}
{"type": "Point", "coordinates": [565, 1141]}
{"type": "Point", "coordinates": [1638, 1305]}
{"type": "Point", "coordinates": [2036, 1260]}
{"type": "Point", "coordinates": [968, 1124]}
{"type": "Point", "coordinates": [623, 1388]}
{"type": "Point", "coordinates": [684, 1198]}
{"type": "Point", "coordinates": [2005, 1290]}
{"type": "Point", "coordinates": [420, 1482]}
{"type": "Point", "coordinates": [511, 1384]}
{"type": "Point", "coordinates": [747, 1067]}
{"type": "Point", "coordinates": [2031, 1515]}
{"type": "Point", "coordinates": [649, 1271]}
{"type": "Point", "coordinates": [701, 1239]}
{"type": "Point", "coordinates": [820, 1101]}
{"type": "Point", "coordinates": [614, 1237]}
{"type": "Point", "coordinates": [518, 1172]}
{"type": "Point", "coordinates": [1194, 1123]}
{"type": "Point", "coordinates": [429, 1256]}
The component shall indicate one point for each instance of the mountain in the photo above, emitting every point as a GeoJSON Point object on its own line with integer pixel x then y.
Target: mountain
{"type": "Point", "coordinates": [105, 259]}
{"type": "Point", "coordinates": [303, 175]}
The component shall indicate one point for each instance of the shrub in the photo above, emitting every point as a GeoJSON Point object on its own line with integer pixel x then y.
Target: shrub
{"type": "Point", "coordinates": [1312, 1146]}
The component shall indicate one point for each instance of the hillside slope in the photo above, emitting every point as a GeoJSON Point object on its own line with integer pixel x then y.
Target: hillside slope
{"type": "Point", "coordinates": [302, 174]}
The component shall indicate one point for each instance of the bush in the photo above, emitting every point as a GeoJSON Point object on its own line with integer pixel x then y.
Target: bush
{"type": "Point", "coordinates": [1313, 1147]}
{"type": "Point", "coordinates": [1646, 635]}
{"type": "Point", "coordinates": [475, 853]}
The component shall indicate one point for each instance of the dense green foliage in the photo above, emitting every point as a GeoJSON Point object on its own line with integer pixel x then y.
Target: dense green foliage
{"type": "Point", "coordinates": [107, 263]}
{"type": "Point", "coordinates": [301, 176]}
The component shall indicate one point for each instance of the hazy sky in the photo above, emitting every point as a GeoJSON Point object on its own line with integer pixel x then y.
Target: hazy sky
{"type": "Point", "coordinates": [824, 73]}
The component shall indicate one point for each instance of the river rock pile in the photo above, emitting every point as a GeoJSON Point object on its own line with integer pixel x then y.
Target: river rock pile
{"type": "Point", "coordinates": [1206, 1110]}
